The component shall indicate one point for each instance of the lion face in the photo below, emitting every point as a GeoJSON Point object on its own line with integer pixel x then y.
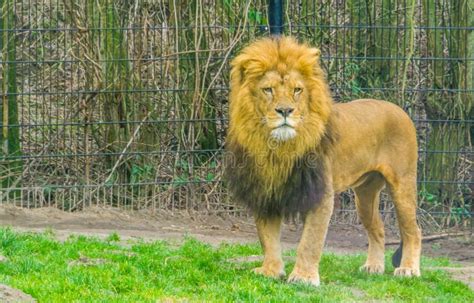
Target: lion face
{"type": "Point", "coordinates": [282, 100]}
{"type": "Point", "coordinates": [279, 100]}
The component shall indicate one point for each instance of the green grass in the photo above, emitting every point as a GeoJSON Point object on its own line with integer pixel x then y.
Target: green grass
{"type": "Point", "coordinates": [85, 269]}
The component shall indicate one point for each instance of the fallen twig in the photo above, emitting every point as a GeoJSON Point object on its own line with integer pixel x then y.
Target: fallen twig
{"type": "Point", "coordinates": [435, 237]}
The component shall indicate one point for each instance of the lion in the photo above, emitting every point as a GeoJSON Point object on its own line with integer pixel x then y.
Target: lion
{"type": "Point", "coordinates": [290, 148]}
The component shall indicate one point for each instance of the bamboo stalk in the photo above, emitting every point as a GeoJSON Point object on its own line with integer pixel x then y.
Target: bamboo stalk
{"type": "Point", "coordinates": [10, 136]}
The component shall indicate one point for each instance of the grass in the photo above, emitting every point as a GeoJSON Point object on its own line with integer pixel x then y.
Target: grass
{"type": "Point", "coordinates": [85, 269]}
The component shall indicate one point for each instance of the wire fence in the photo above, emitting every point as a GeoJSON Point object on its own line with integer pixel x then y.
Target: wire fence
{"type": "Point", "coordinates": [124, 103]}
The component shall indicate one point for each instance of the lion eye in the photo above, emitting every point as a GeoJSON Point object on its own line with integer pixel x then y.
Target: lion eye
{"type": "Point", "coordinates": [298, 90]}
{"type": "Point", "coordinates": [267, 90]}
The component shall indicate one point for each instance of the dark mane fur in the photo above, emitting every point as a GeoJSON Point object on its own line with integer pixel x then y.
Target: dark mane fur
{"type": "Point", "coordinates": [302, 191]}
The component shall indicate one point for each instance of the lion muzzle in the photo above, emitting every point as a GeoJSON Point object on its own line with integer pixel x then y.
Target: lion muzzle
{"type": "Point", "coordinates": [284, 111]}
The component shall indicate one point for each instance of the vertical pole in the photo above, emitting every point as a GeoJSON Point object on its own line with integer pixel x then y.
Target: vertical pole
{"type": "Point", "coordinates": [275, 16]}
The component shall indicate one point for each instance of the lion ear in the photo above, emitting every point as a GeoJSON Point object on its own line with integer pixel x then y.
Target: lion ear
{"type": "Point", "coordinates": [315, 61]}
{"type": "Point", "coordinates": [244, 67]}
{"type": "Point", "coordinates": [316, 52]}
{"type": "Point", "coordinates": [237, 72]}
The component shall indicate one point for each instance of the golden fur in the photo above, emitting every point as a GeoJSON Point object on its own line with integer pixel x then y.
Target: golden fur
{"type": "Point", "coordinates": [292, 148]}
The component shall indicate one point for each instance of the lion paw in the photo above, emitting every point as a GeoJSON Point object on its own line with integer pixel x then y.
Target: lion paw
{"type": "Point", "coordinates": [269, 272]}
{"type": "Point", "coordinates": [407, 272]}
{"type": "Point", "coordinates": [311, 279]}
{"type": "Point", "coordinates": [373, 268]}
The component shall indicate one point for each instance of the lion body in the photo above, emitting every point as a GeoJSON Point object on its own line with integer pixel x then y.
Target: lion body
{"type": "Point", "coordinates": [373, 136]}
{"type": "Point", "coordinates": [291, 149]}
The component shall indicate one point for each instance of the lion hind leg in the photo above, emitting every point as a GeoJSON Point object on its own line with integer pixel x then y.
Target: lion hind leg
{"type": "Point", "coordinates": [367, 202]}
{"type": "Point", "coordinates": [404, 196]}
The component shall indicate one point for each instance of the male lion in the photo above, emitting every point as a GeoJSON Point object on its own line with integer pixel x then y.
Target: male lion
{"type": "Point", "coordinates": [291, 149]}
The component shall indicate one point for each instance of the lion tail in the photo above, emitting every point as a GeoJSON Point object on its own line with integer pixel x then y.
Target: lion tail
{"type": "Point", "coordinates": [397, 256]}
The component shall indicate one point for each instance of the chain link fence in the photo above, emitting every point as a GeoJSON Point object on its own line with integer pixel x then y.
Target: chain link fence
{"type": "Point", "coordinates": [124, 103]}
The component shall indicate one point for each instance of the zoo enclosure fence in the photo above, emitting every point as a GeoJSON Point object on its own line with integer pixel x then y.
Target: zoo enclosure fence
{"type": "Point", "coordinates": [124, 103]}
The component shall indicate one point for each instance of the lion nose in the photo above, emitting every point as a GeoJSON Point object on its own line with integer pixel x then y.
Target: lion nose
{"type": "Point", "coordinates": [284, 111]}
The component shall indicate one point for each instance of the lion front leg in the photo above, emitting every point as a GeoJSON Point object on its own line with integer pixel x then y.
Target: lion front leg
{"type": "Point", "coordinates": [269, 234]}
{"type": "Point", "coordinates": [310, 248]}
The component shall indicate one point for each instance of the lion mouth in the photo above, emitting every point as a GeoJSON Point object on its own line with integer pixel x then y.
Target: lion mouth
{"type": "Point", "coordinates": [284, 132]}
{"type": "Point", "coordinates": [285, 124]}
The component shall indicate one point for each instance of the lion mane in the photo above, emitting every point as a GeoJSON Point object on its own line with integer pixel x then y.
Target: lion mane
{"type": "Point", "coordinates": [277, 178]}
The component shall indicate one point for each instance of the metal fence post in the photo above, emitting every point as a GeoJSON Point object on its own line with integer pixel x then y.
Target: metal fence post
{"type": "Point", "coordinates": [275, 16]}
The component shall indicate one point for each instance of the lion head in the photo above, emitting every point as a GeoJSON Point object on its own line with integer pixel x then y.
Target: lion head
{"type": "Point", "coordinates": [278, 94]}
{"type": "Point", "coordinates": [280, 106]}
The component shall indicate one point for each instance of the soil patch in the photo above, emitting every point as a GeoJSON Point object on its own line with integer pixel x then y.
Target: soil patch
{"type": "Point", "coordinates": [463, 273]}
{"type": "Point", "coordinates": [85, 261]}
{"type": "Point", "coordinates": [12, 295]}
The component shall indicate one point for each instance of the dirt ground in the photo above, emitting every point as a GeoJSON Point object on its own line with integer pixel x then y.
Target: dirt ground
{"type": "Point", "coordinates": [213, 229]}
{"type": "Point", "coordinates": [12, 295]}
